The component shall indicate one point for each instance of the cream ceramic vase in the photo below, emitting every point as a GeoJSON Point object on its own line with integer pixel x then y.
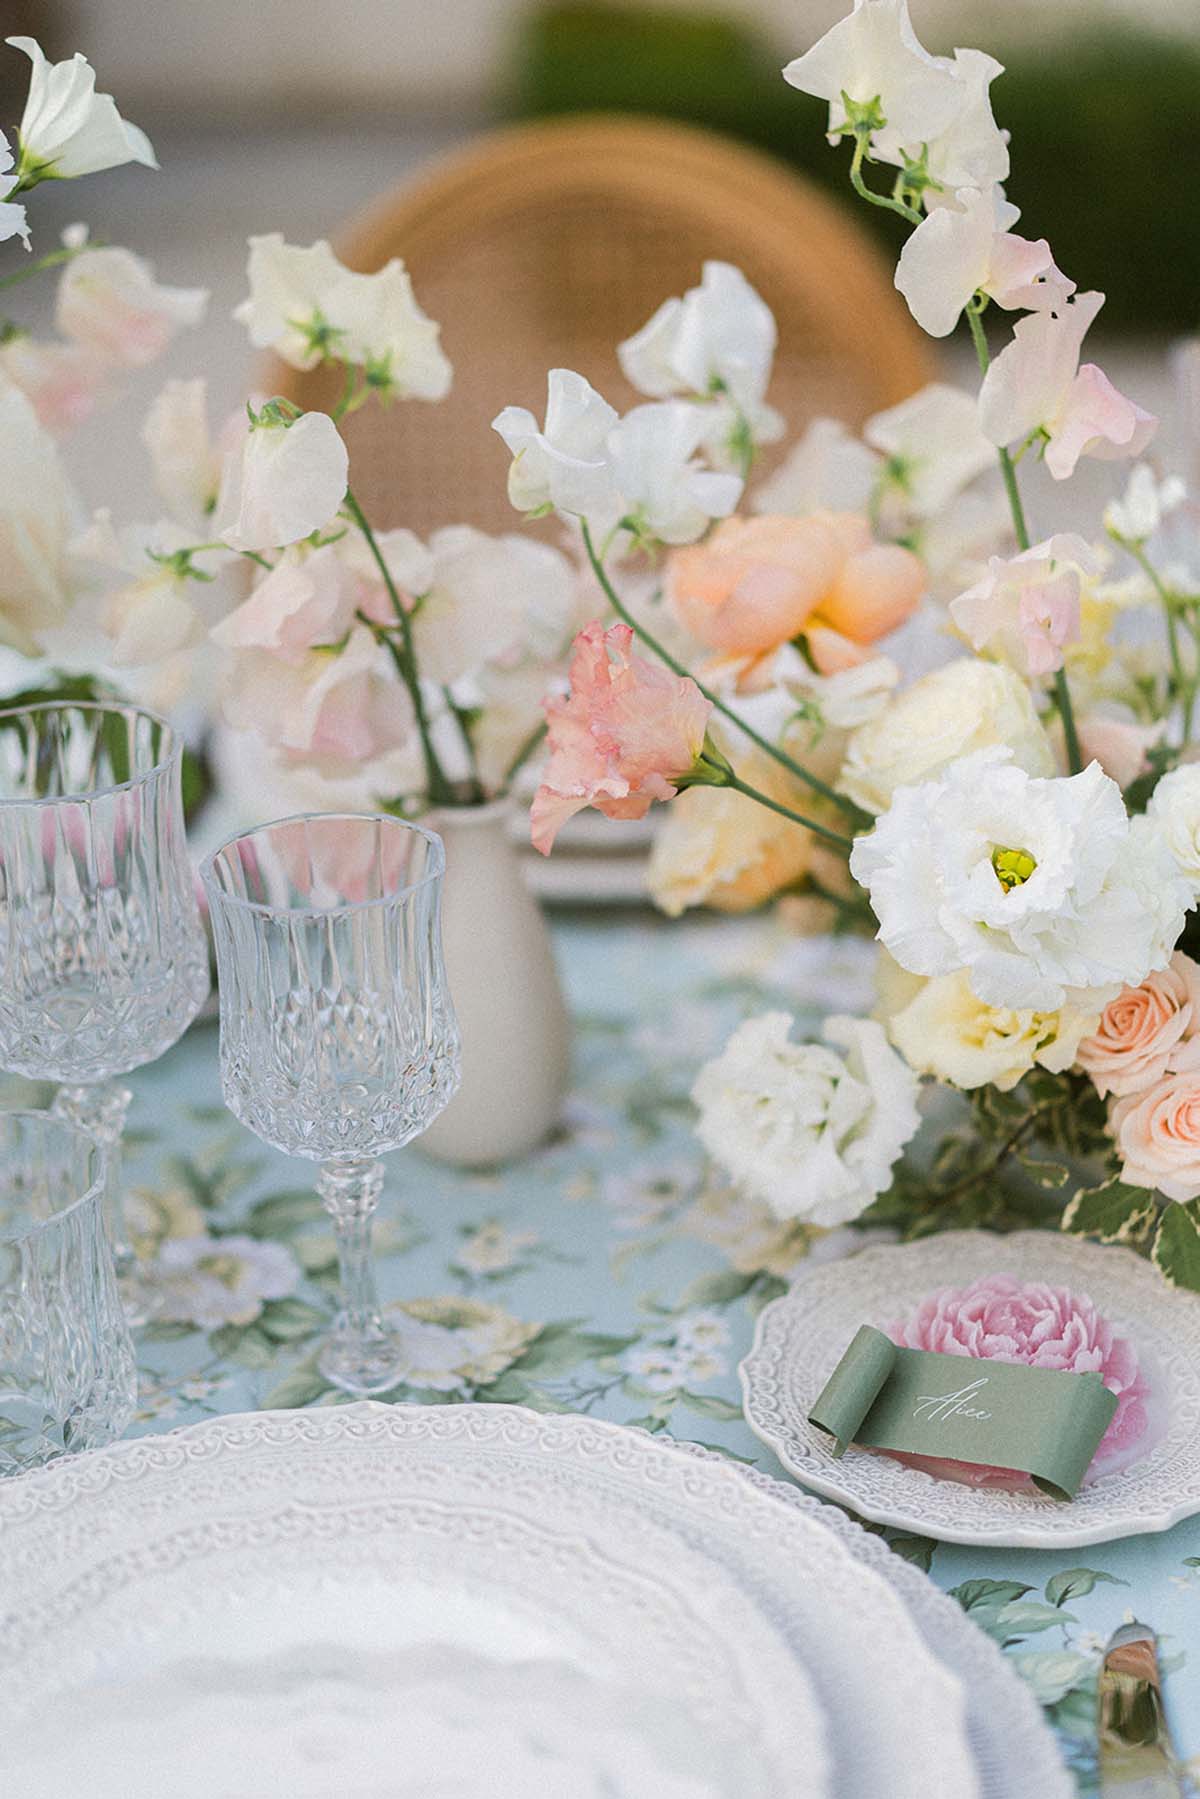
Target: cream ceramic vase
{"type": "Point", "coordinates": [504, 982]}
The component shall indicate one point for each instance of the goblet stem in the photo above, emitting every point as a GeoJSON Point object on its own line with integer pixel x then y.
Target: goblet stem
{"type": "Point", "coordinates": [362, 1355]}
{"type": "Point", "coordinates": [100, 1109]}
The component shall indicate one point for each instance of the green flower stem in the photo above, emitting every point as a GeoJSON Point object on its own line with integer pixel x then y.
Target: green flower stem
{"type": "Point", "coordinates": [852, 812]}
{"type": "Point", "coordinates": [1184, 688]}
{"type": "Point", "coordinates": [845, 844]}
{"type": "Point", "coordinates": [441, 790]}
{"type": "Point", "coordinates": [536, 737]}
{"type": "Point", "coordinates": [888, 202]}
{"type": "Point", "coordinates": [475, 784]}
{"type": "Point", "coordinates": [1062, 693]}
{"type": "Point", "coordinates": [54, 260]}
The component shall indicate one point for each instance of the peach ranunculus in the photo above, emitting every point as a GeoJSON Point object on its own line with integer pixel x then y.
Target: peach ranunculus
{"type": "Point", "coordinates": [627, 734]}
{"type": "Point", "coordinates": [1143, 1032]}
{"type": "Point", "coordinates": [756, 583]}
{"type": "Point", "coordinates": [1157, 1134]}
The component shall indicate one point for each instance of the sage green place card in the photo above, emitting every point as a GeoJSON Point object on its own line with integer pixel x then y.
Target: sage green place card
{"type": "Point", "coordinates": [1039, 1421]}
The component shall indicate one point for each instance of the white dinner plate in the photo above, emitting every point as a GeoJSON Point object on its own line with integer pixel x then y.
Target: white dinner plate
{"type": "Point", "coordinates": [314, 1597]}
{"type": "Point", "coordinates": [802, 1335]}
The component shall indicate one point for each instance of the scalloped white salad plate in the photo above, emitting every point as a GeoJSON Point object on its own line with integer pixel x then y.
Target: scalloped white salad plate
{"type": "Point", "coordinates": [476, 1600]}
{"type": "Point", "coordinates": [1146, 1475]}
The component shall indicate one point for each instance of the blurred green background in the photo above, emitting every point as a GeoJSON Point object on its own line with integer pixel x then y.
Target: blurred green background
{"type": "Point", "coordinates": [1105, 130]}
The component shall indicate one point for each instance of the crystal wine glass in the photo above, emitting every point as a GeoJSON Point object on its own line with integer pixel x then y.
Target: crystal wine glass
{"type": "Point", "coordinates": [103, 960]}
{"type": "Point", "coordinates": [338, 1037]}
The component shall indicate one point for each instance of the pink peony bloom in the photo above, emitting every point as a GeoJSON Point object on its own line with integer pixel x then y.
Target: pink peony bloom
{"type": "Point", "coordinates": [1143, 1032]}
{"type": "Point", "coordinates": [1158, 1133]}
{"type": "Point", "coordinates": [627, 732]}
{"type": "Point", "coordinates": [1001, 1319]}
{"type": "Point", "coordinates": [1037, 384]}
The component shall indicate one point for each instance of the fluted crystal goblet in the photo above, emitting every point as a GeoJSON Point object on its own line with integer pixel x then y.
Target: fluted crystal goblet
{"type": "Point", "coordinates": [338, 1037]}
{"type": "Point", "coordinates": [103, 959]}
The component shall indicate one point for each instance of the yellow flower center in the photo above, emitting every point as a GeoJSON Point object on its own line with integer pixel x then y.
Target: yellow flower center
{"type": "Point", "coordinates": [1013, 867]}
{"type": "Point", "coordinates": [225, 1268]}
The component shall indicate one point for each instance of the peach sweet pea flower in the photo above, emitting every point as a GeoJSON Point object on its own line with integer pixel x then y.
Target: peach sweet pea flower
{"type": "Point", "coordinates": [626, 734]}
{"type": "Point", "coordinates": [756, 583]}
{"type": "Point", "coordinates": [1158, 1136]}
{"type": "Point", "coordinates": [1146, 1032]}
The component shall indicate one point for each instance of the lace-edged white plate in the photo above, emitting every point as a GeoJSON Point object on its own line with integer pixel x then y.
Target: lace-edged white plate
{"type": "Point", "coordinates": [802, 1335]}
{"type": "Point", "coordinates": [302, 1560]}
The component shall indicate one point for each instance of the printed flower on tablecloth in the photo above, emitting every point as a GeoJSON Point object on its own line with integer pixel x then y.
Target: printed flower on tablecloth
{"type": "Point", "coordinates": [491, 1249]}
{"type": "Point", "coordinates": [1001, 1319]}
{"type": "Point", "coordinates": [214, 1281]}
{"type": "Point", "coordinates": [452, 1345]}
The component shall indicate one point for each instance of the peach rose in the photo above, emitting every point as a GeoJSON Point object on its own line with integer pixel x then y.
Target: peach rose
{"type": "Point", "coordinates": [1158, 1136]}
{"type": "Point", "coordinates": [1142, 1032]}
{"type": "Point", "coordinates": [756, 583]}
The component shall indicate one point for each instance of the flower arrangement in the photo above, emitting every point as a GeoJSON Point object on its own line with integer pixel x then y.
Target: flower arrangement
{"type": "Point", "coordinates": [1019, 824]}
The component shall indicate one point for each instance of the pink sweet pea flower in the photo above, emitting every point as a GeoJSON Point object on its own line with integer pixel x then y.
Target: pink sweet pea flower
{"type": "Point", "coordinates": [62, 381]}
{"type": "Point", "coordinates": [625, 735]}
{"type": "Point", "coordinates": [1037, 384]}
{"type": "Point", "coordinates": [1026, 607]}
{"type": "Point", "coordinates": [110, 302]}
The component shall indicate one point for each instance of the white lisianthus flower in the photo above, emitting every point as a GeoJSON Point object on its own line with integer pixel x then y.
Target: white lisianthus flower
{"type": "Point", "coordinates": [933, 445]}
{"type": "Point", "coordinates": [946, 1031]}
{"type": "Point", "coordinates": [1146, 502]}
{"type": "Point", "coordinates": [873, 55]}
{"type": "Point", "coordinates": [1175, 809]}
{"type": "Point", "coordinates": [564, 463]}
{"type": "Point", "coordinates": [109, 301]}
{"type": "Point", "coordinates": [67, 128]}
{"type": "Point", "coordinates": [812, 1133]}
{"type": "Point", "coordinates": [663, 488]}
{"type": "Point", "coordinates": [968, 705]}
{"type": "Point", "coordinates": [717, 343]}
{"type": "Point", "coordinates": [307, 306]}
{"type": "Point", "coordinates": [828, 470]}
{"type": "Point", "coordinates": [34, 515]}
{"type": "Point", "coordinates": [1040, 889]}
{"type": "Point", "coordinates": [968, 247]}
{"type": "Point", "coordinates": [285, 482]}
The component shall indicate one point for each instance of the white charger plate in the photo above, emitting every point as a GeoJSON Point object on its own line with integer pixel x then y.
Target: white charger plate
{"type": "Point", "coordinates": [802, 1335]}
{"type": "Point", "coordinates": [283, 1575]}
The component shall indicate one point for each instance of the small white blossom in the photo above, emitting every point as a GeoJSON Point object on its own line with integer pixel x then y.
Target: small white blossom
{"type": "Point", "coordinates": [285, 482]}
{"type": "Point", "coordinates": [110, 302]}
{"type": "Point", "coordinates": [828, 470]}
{"type": "Point", "coordinates": [663, 487]}
{"type": "Point", "coordinates": [811, 1132]}
{"type": "Point", "coordinates": [933, 445]}
{"type": "Point", "coordinates": [1175, 808]}
{"type": "Point", "coordinates": [34, 513]}
{"type": "Point", "coordinates": [873, 55]}
{"type": "Point", "coordinates": [67, 128]}
{"type": "Point", "coordinates": [1145, 504]}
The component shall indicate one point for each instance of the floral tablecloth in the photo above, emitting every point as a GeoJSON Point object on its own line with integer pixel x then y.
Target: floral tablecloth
{"type": "Point", "coordinates": [608, 1274]}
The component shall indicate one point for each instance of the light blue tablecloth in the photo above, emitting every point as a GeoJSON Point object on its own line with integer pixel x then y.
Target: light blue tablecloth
{"type": "Point", "coordinates": [605, 1275]}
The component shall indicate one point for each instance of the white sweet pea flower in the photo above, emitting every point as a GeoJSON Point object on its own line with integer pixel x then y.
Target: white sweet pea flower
{"type": "Point", "coordinates": [971, 151]}
{"type": "Point", "coordinates": [62, 381]}
{"type": "Point", "coordinates": [150, 613]}
{"type": "Point", "coordinates": [110, 303]}
{"type": "Point", "coordinates": [717, 343]}
{"type": "Point", "coordinates": [957, 251]}
{"type": "Point", "coordinates": [1042, 890]}
{"type": "Point", "coordinates": [1026, 608]}
{"type": "Point", "coordinates": [873, 55]}
{"type": "Point", "coordinates": [1146, 502]}
{"type": "Point", "coordinates": [333, 709]}
{"type": "Point", "coordinates": [564, 463]}
{"type": "Point", "coordinates": [488, 596]}
{"type": "Point", "coordinates": [67, 128]}
{"type": "Point", "coordinates": [287, 481]}
{"type": "Point", "coordinates": [1037, 384]}
{"type": "Point", "coordinates": [933, 446]}
{"type": "Point", "coordinates": [1175, 809]}
{"type": "Point", "coordinates": [183, 456]}
{"type": "Point", "coordinates": [13, 220]}
{"type": "Point", "coordinates": [307, 306]}
{"type": "Point", "coordinates": [34, 514]}
{"type": "Point", "coordinates": [811, 1131]}
{"type": "Point", "coordinates": [828, 470]}
{"type": "Point", "coordinates": [663, 489]}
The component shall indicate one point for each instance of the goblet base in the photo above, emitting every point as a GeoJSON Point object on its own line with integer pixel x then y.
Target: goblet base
{"type": "Point", "coordinates": [363, 1367]}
